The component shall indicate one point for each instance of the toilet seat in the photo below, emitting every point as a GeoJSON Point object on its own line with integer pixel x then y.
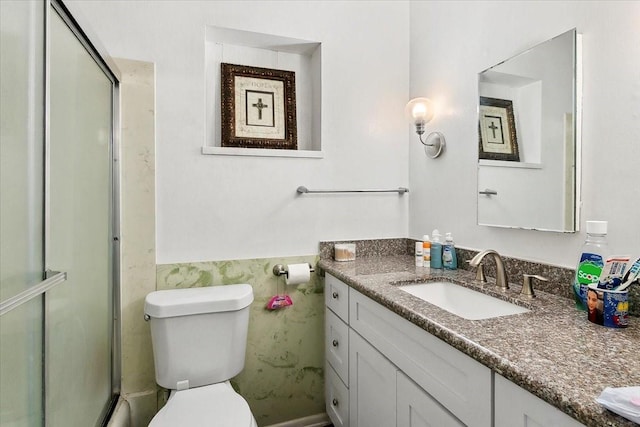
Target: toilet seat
{"type": "Point", "coordinates": [212, 405]}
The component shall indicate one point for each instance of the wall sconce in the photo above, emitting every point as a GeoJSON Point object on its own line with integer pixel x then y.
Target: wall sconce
{"type": "Point", "coordinates": [420, 111]}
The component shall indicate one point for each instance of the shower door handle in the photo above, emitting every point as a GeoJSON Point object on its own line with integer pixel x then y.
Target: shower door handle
{"type": "Point", "coordinates": [51, 279]}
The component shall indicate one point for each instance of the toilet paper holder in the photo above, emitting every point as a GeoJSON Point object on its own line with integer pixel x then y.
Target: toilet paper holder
{"type": "Point", "coordinates": [281, 269]}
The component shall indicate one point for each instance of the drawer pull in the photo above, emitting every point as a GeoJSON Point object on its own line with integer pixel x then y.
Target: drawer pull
{"type": "Point", "coordinates": [335, 343]}
{"type": "Point", "coordinates": [334, 402]}
{"type": "Point", "coordinates": [334, 295]}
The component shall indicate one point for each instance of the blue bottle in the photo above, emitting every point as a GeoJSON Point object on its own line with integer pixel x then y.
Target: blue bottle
{"type": "Point", "coordinates": [449, 257]}
{"type": "Point", "coordinates": [436, 250]}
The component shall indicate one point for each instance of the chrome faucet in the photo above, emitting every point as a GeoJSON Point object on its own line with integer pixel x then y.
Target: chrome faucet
{"type": "Point", "coordinates": [501, 274]}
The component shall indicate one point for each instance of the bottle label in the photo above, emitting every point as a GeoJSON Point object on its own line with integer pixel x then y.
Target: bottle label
{"type": "Point", "coordinates": [426, 250]}
{"type": "Point", "coordinates": [447, 257]}
{"type": "Point", "coordinates": [588, 272]}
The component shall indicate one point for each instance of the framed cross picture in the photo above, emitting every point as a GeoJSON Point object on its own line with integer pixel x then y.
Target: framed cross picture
{"type": "Point", "coordinates": [258, 107]}
{"type": "Point", "coordinates": [497, 130]}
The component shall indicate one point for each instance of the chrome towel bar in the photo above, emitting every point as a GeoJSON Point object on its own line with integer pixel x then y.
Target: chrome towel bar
{"type": "Point", "coordinates": [304, 190]}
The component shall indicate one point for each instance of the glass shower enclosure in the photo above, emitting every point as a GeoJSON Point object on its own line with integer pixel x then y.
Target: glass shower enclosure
{"type": "Point", "coordinates": [58, 221]}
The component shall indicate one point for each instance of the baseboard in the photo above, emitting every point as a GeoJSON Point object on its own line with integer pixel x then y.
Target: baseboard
{"type": "Point", "coordinates": [317, 420]}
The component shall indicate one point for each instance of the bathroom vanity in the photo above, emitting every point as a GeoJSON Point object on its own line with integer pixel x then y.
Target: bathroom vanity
{"type": "Point", "coordinates": [393, 359]}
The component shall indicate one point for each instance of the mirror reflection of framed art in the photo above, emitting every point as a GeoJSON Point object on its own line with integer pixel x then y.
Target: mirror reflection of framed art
{"type": "Point", "coordinates": [498, 139]}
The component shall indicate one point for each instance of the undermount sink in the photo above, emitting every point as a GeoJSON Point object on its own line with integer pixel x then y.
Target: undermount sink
{"type": "Point", "coordinates": [462, 301]}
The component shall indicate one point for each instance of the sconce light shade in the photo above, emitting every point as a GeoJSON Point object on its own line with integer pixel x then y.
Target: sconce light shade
{"type": "Point", "coordinates": [420, 111]}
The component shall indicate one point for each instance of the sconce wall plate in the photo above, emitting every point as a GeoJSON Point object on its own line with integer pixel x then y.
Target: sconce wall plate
{"type": "Point", "coordinates": [434, 145]}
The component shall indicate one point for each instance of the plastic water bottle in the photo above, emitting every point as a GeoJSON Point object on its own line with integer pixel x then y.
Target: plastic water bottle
{"type": "Point", "coordinates": [592, 256]}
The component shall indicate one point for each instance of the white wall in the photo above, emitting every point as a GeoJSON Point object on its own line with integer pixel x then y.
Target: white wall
{"type": "Point", "coordinates": [221, 207]}
{"type": "Point", "coordinates": [452, 42]}
{"type": "Point", "coordinates": [215, 207]}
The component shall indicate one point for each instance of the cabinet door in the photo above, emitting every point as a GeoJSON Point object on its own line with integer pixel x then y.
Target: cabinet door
{"type": "Point", "coordinates": [415, 408]}
{"type": "Point", "coordinates": [372, 385]}
{"type": "Point", "coordinates": [516, 407]}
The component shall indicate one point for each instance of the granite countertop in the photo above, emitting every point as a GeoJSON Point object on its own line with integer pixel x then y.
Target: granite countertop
{"type": "Point", "coordinates": [552, 351]}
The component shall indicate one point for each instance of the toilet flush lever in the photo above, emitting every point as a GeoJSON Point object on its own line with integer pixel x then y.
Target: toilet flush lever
{"type": "Point", "coordinates": [147, 317]}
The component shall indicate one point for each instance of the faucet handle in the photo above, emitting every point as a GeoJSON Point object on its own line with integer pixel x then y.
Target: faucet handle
{"type": "Point", "coordinates": [480, 277]}
{"type": "Point", "coordinates": [527, 284]}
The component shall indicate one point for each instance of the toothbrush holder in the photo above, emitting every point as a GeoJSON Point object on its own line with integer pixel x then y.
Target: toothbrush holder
{"type": "Point", "coordinates": [607, 307]}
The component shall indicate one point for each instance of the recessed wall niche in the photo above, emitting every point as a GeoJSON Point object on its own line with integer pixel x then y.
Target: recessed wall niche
{"type": "Point", "coordinates": [225, 45]}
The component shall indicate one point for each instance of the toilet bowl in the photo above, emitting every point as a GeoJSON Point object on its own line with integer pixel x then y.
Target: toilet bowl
{"type": "Point", "coordinates": [207, 406]}
{"type": "Point", "coordinates": [199, 338]}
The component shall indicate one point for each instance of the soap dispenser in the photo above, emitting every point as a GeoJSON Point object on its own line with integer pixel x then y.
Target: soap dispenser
{"type": "Point", "coordinates": [449, 257]}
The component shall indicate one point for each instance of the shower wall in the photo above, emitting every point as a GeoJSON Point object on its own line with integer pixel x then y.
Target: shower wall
{"type": "Point", "coordinates": [137, 235]}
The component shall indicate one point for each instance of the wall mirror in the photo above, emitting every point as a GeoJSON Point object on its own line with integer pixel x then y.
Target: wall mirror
{"type": "Point", "coordinates": [529, 138]}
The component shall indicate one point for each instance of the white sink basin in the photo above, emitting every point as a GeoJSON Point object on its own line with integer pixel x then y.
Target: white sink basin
{"type": "Point", "coordinates": [461, 301]}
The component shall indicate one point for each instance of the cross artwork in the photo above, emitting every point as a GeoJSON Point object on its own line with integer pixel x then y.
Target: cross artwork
{"type": "Point", "coordinates": [259, 108]}
{"type": "Point", "coordinates": [497, 136]}
{"type": "Point", "coordinates": [259, 105]}
{"type": "Point", "coordinates": [493, 127]}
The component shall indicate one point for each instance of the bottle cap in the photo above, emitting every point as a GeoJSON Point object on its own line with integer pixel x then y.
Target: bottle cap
{"type": "Point", "coordinates": [425, 238]}
{"type": "Point", "coordinates": [597, 227]}
{"type": "Point", "coordinates": [448, 237]}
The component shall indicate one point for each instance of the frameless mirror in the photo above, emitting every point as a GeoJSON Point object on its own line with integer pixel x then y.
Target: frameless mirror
{"type": "Point", "coordinates": [529, 138]}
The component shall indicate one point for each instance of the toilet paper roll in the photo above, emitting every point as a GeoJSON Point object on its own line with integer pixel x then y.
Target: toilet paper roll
{"type": "Point", "coordinates": [297, 273]}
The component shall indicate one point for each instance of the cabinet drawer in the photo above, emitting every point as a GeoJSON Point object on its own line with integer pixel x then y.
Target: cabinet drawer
{"type": "Point", "coordinates": [337, 345]}
{"type": "Point", "coordinates": [336, 296]}
{"type": "Point", "coordinates": [336, 398]}
{"type": "Point", "coordinates": [461, 384]}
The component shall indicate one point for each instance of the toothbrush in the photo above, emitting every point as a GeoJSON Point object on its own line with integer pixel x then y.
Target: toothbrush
{"type": "Point", "coordinates": [626, 284]}
{"type": "Point", "coordinates": [633, 276]}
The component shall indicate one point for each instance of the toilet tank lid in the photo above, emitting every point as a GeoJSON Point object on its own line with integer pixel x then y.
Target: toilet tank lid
{"type": "Point", "coordinates": [208, 299]}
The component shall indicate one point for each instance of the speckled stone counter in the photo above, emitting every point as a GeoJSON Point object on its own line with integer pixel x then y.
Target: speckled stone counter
{"type": "Point", "coordinates": [552, 351]}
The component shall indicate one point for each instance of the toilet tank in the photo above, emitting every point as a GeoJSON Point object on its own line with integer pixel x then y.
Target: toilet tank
{"type": "Point", "coordinates": [199, 335]}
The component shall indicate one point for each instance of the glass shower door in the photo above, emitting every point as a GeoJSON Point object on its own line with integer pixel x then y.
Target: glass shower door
{"type": "Point", "coordinates": [79, 314]}
{"type": "Point", "coordinates": [58, 260]}
{"type": "Point", "coordinates": [21, 210]}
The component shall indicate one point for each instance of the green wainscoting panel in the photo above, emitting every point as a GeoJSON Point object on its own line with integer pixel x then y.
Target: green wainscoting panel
{"type": "Point", "coordinates": [283, 378]}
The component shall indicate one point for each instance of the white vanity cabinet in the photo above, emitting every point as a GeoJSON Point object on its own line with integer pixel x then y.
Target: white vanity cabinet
{"type": "Point", "coordinates": [384, 371]}
{"type": "Point", "coordinates": [397, 373]}
{"type": "Point", "coordinates": [516, 407]}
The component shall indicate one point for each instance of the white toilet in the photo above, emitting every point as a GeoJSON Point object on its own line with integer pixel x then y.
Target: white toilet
{"type": "Point", "coordinates": [199, 340]}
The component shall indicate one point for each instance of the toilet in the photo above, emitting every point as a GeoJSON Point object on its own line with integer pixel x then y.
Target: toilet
{"type": "Point", "coordinates": [199, 338]}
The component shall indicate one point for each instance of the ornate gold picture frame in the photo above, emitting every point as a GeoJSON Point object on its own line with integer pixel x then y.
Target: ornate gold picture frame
{"type": "Point", "coordinates": [258, 107]}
